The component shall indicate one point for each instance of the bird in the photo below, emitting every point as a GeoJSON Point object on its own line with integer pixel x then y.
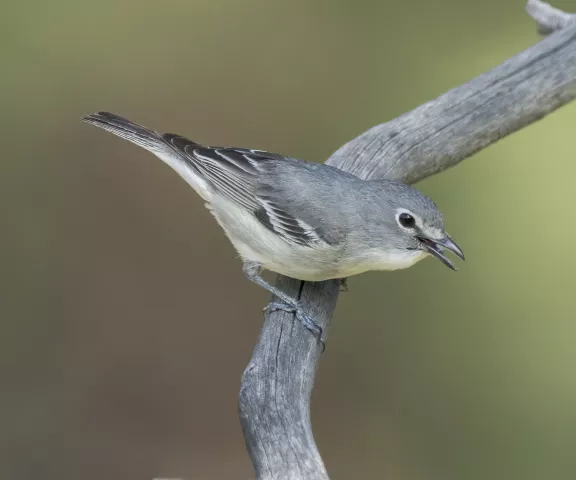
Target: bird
{"type": "Point", "coordinates": [304, 220]}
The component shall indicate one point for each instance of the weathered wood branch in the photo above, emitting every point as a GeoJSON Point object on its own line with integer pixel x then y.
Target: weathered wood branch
{"type": "Point", "coordinates": [548, 18]}
{"type": "Point", "coordinates": [274, 401]}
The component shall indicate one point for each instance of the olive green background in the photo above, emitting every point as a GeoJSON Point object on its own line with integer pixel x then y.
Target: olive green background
{"type": "Point", "coordinates": [125, 319]}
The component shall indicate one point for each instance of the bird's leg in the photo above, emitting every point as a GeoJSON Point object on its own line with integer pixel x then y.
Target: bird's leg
{"type": "Point", "coordinates": [302, 317]}
{"type": "Point", "coordinates": [252, 271]}
{"type": "Point", "coordinates": [343, 284]}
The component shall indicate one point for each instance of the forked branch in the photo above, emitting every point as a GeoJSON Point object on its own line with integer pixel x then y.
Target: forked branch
{"type": "Point", "coordinates": [275, 393]}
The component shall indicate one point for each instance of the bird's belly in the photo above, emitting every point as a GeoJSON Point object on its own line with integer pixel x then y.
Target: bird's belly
{"type": "Point", "coordinates": [305, 267]}
{"type": "Point", "coordinates": [390, 260]}
{"type": "Point", "coordinates": [309, 266]}
{"type": "Point", "coordinates": [312, 264]}
{"type": "Point", "coordinates": [255, 243]}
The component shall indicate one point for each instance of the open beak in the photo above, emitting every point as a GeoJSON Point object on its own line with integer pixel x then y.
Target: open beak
{"type": "Point", "coordinates": [436, 248]}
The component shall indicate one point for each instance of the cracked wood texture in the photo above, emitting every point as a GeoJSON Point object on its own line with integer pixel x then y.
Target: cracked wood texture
{"type": "Point", "coordinates": [274, 402]}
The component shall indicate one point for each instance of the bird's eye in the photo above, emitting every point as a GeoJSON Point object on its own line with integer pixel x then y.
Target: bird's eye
{"type": "Point", "coordinates": [406, 220]}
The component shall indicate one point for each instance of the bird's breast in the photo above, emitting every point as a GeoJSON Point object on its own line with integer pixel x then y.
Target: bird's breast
{"type": "Point", "coordinates": [380, 260]}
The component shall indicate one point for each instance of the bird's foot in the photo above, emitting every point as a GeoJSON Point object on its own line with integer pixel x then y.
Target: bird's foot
{"type": "Point", "coordinates": [343, 284]}
{"type": "Point", "coordinates": [301, 316]}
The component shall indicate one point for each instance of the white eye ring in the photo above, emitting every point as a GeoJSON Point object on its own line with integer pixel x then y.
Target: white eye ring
{"type": "Point", "coordinates": [406, 220]}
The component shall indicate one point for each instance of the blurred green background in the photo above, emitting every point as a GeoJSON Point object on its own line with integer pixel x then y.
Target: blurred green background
{"type": "Point", "coordinates": [118, 357]}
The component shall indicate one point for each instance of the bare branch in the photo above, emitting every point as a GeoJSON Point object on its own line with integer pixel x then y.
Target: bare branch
{"type": "Point", "coordinates": [548, 18]}
{"type": "Point", "coordinates": [275, 395]}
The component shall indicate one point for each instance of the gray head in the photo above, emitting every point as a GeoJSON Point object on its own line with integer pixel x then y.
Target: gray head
{"type": "Point", "coordinates": [413, 223]}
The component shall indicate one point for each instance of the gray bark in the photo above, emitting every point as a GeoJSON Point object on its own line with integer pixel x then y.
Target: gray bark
{"type": "Point", "coordinates": [274, 401]}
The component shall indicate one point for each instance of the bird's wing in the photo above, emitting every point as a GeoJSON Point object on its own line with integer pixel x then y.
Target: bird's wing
{"type": "Point", "coordinates": [226, 170]}
{"type": "Point", "coordinates": [293, 229]}
{"type": "Point", "coordinates": [242, 175]}
{"type": "Point", "coordinates": [237, 173]}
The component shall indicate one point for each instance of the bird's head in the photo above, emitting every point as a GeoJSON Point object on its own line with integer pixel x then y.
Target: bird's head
{"type": "Point", "coordinates": [417, 224]}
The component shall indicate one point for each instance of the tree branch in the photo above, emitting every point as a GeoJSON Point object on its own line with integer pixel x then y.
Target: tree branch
{"type": "Point", "coordinates": [274, 401]}
{"type": "Point", "coordinates": [548, 18]}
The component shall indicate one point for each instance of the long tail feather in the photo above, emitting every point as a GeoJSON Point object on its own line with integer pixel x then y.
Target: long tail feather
{"type": "Point", "coordinates": [126, 129]}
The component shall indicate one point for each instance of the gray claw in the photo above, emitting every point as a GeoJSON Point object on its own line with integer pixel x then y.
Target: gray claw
{"type": "Point", "coordinates": [302, 317]}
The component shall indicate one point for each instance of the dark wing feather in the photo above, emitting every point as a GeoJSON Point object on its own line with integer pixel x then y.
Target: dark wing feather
{"type": "Point", "coordinates": [227, 172]}
{"type": "Point", "coordinates": [236, 173]}
{"type": "Point", "coordinates": [287, 226]}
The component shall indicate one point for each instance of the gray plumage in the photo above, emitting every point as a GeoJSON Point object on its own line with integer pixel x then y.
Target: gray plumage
{"type": "Point", "coordinates": [305, 220]}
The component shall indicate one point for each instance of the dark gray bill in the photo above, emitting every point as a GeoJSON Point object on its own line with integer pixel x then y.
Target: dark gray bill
{"type": "Point", "coordinates": [434, 247]}
{"type": "Point", "coordinates": [452, 246]}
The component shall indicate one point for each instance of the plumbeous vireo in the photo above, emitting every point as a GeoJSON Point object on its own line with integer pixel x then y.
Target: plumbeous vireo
{"type": "Point", "coordinates": [307, 221]}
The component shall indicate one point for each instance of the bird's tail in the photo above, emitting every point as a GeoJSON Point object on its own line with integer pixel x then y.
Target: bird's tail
{"type": "Point", "coordinates": [167, 147]}
{"type": "Point", "coordinates": [142, 136]}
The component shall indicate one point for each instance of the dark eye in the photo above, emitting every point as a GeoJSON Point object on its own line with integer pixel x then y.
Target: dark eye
{"type": "Point", "coordinates": [406, 220]}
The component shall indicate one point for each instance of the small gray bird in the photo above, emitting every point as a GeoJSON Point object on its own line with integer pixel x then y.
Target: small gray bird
{"type": "Point", "coordinates": [307, 221]}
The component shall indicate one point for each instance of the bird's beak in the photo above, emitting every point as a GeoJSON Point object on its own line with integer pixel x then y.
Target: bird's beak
{"type": "Point", "coordinates": [434, 247]}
